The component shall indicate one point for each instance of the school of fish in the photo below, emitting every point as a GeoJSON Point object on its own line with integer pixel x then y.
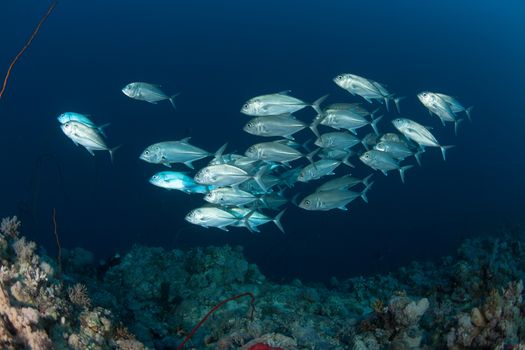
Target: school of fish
{"type": "Point", "coordinates": [256, 187]}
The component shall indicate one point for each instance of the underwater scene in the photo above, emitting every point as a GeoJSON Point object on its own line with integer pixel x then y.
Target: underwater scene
{"type": "Point", "coordinates": [262, 175]}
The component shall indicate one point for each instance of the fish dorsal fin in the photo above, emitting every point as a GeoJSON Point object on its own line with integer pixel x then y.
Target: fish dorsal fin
{"type": "Point", "coordinates": [284, 92]}
{"type": "Point", "coordinates": [186, 139]}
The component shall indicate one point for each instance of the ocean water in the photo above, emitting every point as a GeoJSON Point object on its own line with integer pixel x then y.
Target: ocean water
{"type": "Point", "coordinates": [220, 54]}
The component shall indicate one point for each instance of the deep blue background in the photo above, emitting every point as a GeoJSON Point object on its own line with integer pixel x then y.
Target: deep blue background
{"type": "Point", "coordinates": [219, 54]}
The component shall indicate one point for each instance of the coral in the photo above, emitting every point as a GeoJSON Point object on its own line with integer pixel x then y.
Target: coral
{"type": "Point", "coordinates": [10, 226]}
{"type": "Point", "coordinates": [78, 294]}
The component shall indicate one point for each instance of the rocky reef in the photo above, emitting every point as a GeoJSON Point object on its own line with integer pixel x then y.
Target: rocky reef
{"type": "Point", "coordinates": [152, 298]}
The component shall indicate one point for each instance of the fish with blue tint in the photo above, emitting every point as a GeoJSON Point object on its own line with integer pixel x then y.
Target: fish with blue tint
{"type": "Point", "coordinates": [344, 182]}
{"type": "Point", "coordinates": [320, 168]}
{"type": "Point", "coordinates": [229, 196]}
{"type": "Point", "coordinates": [147, 92]}
{"type": "Point", "coordinates": [173, 180]}
{"type": "Point", "coordinates": [169, 152]}
{"type": "Point", "coordinates": [337, 139]}
{"type": "Point", "coordinates": [383, 162]}
{"type": "Point", "coordinates": [398, 150]}
{"type": "Point", "coordinates": [419, 134]}
{"type": "Point", "coordinates": [275, 151]}
{"type": "Point", "coordinates": [278, 125]}
{"type": "Point", "coordinates": [332, 199]}
{"type": "Point", "coordinates": [349, 116]}
{"type": "Point", "coordinates": [81, 118]}
{"type": "Point", "coordinates": [252, 219]}
{"type": "Point", "coordinates": [334, 153]}
{"type": "Point", "coordinates": [366, 88]}
{"type": "Point", "coordinates": [213, 217]}
{"type": "Point", "coordinates": [277, 104]}
{"type": "Point", "coordinates": [89, 138]}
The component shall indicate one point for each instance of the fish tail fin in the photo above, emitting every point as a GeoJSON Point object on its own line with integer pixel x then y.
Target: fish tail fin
{"type": "Point", "coordinates": [444, 149]}
{"type": "Point", "coordinates": [295, 199]}
{"type": "Point", "coordinates": [246, 221]}
{"type": "Point", "coordinates": [310, 156]}
{"type": "Point", "coordinates": [367, 179]}
{"type": "Point", "coordinates": [101, 129]}
{"type": "Point", "coordinates": [387, 99]}
{"type": "Point", "coordinates": [397, 100]}
{"type": "Point", "coordinates": [317, 104]}
{"type": "Point", "coordinates": [112, 152]}
{"type": "Point", "coordinates": [374, 122]}
{"type": "Point", "coordinates": [258, 177]}
{"type": "Point", "coordinates": [467, 111]}
{"type": "Point", "coordinates": [172, 99]}
{"type": "Point", "coordinates": [277, 220]}
{"type": "Point", "coordinates": [402, 172]}
{"type": "Point", "coordinates": [367, 188]}
{"type": "Point", "coordinates": [346, 161]}
{"type": "Point", "coordinates": [305, 145]}
{"type": "Point", "coordinates": [317, 120]}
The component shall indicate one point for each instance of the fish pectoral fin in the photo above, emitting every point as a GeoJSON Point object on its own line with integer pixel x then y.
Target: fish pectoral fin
{"type": "Point", "coordinates": [224, 228]}
{"type": "Point", "coordinates": [152, 102]}
{"type": "Point", "coordinates": [90, 151]}
{"type": "Point", "coordinates": [384, 172]}
{"type": "Point", "coordinates": [189, 164]}
{"type": "Point", "coordinates": [343, 208]}
{"type": "Point", "coordinates": [167, 164]}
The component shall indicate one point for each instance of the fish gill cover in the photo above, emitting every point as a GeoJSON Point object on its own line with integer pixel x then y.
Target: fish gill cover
{"type": "Point", "coordinates": [370, 135]}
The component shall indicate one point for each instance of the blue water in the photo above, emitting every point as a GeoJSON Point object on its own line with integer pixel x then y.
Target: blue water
{"type": "Point", "coordinates": [218, 54]}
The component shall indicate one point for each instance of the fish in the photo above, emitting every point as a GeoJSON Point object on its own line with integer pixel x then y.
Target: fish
{"type": "Point", "coordinates": [344, 182]}
{"type": "Point", "coordinates": [320, 168]}
{"type": "Point", "coordinates": [384, 162]}
{"type": "Point", "coordinates": [333, 199]}
{"type": "Point", "coordinates": [398, 150]}
{"type": "Point", "coordinates": [275, 152]}
{"type": "Point", "coordinates": [344, 116]}
{"type": "Point", "coordinates": [368, 89]}
{"type": "Point", "coordinates": [455, 105]}
{"type": "Point", "coordinates": [174, 180]}
{"type": "Point", "coordinates": [81, 118]}
{"type": "Point", "coordinates": [221, 175]}
{"type": "Point", "coordinates": [279, 125]}
{"type": "Point", "coordinates": [89, 138]}
{"type": "Point", "coordinates": [169, 152]}
{"type": "Point", "coordinates": [253, 219]}
{"type": "Point", "coordinates": [334, 153]}
{"type": "Point", "coordinates": [213, 217]}
{"type": "Point", "coordinates": [147, 92]}
{"type": "Point", "coordinates": [277, 104]}
{"type": "Point", "coordinates": [438, 105]}
{"type": "Point", "coordinates": [338, 140]}
{"type": "Point", "coordinates": [419, 134]}
{"type": "Point", "coordinates": [228, 196]}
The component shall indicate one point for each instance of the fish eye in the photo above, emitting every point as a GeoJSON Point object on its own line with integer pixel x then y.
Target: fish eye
{"type": "Point", "coordinates": [307, 202]}
{"type": "Point", "coordinates": [245, 106]}
{"type": "Point", "coordinates": [146, 152]}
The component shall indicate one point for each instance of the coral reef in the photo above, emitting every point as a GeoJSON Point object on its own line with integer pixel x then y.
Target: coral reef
{"type": "Point", "coordinates": [152, 298]}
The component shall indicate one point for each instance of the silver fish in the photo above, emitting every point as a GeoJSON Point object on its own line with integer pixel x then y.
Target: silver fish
{"type": "Point", "coordinates": [277, 104]}
{"type": "Point", "coordinates": [147, 92]}
{"type": "Point", "coordinates": [212, 217]}
{"type": "Point", "coordinates": [228, 196]}
{"type": "Point", "coordinates": [340, 118]}
{"type": "Point", "coordinates": [368, 89]}
{"type": "Point", "coordinates": [274, 152]}
{"type": "Point", "coordinates": [333, 199]}
{"type": "Point", "coordinates": [81, 118]}
{"type": "Point", "coordinates": [222, 175]}
{"type": "Point", "coordinates": [169, 152]}
{"type": "Point", "coordinates": [319, 169]}
{"type": "Point", "coordinates": [89, 138]}
{"type": "Point", "coordinates": [343, 183]}
{"type": "Point", "coordinates": [279, 125]}
{"type": "Point", "coordinates": [384, 162]}
{"type": "Point", "coordinates": [419, 134]}
{"type": "Point", "coordinates": [338, 139]}
{"type": "Point", "coordinates": [398, 150]}
{"type": "Point", "coordinates": [440, 107]}
{"type": "Point", "coordinates": [253, 219]}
